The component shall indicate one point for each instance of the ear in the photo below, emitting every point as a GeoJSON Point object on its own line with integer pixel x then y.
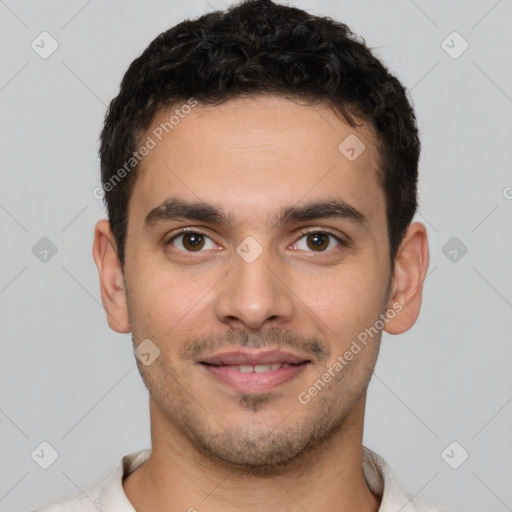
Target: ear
{"type": "Point", "coordinates": [409, 273]}
{"type": "Point", "coordinates": [113, 293]}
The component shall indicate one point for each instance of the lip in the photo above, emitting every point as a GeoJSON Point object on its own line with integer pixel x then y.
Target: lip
{"type": "Point", "coordinates": [220, 368]}
{"type": "Point", "coordinates": [247, 357]}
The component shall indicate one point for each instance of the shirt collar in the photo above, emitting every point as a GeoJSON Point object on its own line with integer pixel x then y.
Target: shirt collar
{"type": "Point", "coordinates": [379, 477]}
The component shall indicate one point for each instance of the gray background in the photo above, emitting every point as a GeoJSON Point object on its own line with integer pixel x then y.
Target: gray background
{"type": "Point", "coordinates": [66, 379]}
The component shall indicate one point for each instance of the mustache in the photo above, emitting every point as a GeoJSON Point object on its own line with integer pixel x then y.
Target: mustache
{"type": "Point", "coordinates": [199, 347]}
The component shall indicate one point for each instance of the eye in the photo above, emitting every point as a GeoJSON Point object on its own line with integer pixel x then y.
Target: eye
{"type": "Point", "coordinates": [191, 241]}
{"type": "Point", "coordinates": [317, 241]}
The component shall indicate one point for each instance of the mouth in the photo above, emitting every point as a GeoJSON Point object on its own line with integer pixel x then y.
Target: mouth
{"type": "Point", "coordinates": [247, 371]}
{"type": "Point", "coordinates": [257, 368]}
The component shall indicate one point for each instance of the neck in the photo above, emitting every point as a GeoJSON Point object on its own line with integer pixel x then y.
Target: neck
{"type": "Point", "coordinates": [177, 477]}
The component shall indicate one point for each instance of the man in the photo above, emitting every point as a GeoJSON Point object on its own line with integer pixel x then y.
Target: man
{"type": "Point", "coordinates": [259, 168]}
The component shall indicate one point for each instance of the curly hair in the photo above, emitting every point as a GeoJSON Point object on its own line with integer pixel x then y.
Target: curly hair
{"type": "Point", "coordinates": [259, 47]}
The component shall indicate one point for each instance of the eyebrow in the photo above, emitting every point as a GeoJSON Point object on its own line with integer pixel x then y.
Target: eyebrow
{"type": "Point", "coordinates": [179, 209]}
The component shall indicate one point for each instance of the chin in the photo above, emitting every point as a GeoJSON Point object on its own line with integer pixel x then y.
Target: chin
{"type": "Point", "coordinates": [263, 447]}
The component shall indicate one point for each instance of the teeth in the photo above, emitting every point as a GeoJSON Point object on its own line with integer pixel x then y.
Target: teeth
{"type": "Point", "coordinates": [259, 368]}
{"type": "Point", "coordinates": [262, 368]}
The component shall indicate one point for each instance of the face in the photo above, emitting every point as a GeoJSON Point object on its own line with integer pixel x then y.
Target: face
{"type": "Point", "coordinates": [257, 253]}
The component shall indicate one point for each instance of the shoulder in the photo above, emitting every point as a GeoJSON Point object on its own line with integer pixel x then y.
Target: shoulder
{"type": "Point", "coordinates": [105, 496]}
{"type": "Point", "coordinates": [383, 482]}
{"type": "Point", "coordinates": [82, 502]}
{"type": "Point", "coordinates": [417, 504]}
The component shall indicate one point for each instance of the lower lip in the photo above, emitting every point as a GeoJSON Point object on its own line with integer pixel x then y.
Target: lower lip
{"type": "Point", "coordinates": [252, 381]}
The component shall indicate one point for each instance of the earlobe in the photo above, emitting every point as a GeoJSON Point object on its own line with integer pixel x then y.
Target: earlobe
{"type": "Point", "coordinates": [113, 293]}
{"type": "Point", "coordinates": [409, 274]}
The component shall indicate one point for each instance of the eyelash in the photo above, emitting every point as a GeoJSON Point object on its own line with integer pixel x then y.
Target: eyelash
{"type": "Point", "coordinates": [302, 233]}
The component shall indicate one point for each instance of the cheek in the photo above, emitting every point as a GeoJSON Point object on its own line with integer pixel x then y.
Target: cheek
{"type": "Point", "coordinates": [347, 301]}
{"type": "Point", "coordinates": [164, 302]}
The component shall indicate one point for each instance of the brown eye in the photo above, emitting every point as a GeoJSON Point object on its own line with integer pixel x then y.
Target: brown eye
{"type": "Point", "coordinates": [317, 241]}
{"type": "Point", "coordinates": [191, 241]}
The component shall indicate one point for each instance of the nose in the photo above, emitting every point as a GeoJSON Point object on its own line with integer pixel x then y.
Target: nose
{"type": "Point", "coordinates": [254, 293]}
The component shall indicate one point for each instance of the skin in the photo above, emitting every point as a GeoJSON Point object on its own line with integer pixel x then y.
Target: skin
{"type": "Point", "coordinates": [215, 448]}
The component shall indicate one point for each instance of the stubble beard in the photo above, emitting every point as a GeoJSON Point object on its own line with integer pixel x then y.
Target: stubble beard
{"type": "Point", "coordinates": [260, 450]}
{"type": "Point", "coordinates": [253, 449]}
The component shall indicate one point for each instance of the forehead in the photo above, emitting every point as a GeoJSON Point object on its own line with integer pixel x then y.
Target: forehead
{"type": "Point", "coordinates": [257, 154]}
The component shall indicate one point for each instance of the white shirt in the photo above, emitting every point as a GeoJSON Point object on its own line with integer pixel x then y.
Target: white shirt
{"type": "Point", "coordinates": [109, 495]}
